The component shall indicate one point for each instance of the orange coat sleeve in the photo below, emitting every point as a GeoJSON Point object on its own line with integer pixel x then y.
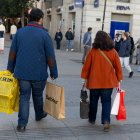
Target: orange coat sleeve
{"type": "Point", "coordinates": [86, 66]}
{"type": "Point", "coordinates": [118, 67]}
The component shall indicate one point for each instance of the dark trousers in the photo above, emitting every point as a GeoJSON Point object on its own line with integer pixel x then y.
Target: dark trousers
{"type": "Point", "coordinates": [131, 58]}
{"type": "Point", "coordinates": [58, 45]}
{"type": "Point", "coordinates": [26, 87]}
{"type": "Point", "coordinates": [1, 34]}
{"type": "Point", "coordinates": [105, 95]}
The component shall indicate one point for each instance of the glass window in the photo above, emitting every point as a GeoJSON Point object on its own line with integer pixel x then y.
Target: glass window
{"type": "Point", "coordinates": [127, 1]}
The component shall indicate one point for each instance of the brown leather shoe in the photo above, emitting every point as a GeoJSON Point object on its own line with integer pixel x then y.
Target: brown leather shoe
{"type": "Point", "coordinates": [106, 127]}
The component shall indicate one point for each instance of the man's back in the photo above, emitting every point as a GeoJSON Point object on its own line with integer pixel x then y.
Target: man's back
{"type": "Point", "coordinates": [33, 46]}
{"type": "Point", "coordinates": [87, 39]}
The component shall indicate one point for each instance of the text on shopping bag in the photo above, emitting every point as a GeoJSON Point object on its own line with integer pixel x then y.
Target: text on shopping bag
{"type": "Point", "coordinates": [51, 99]}
{"type": "Point", "coordinates": [5, 79]}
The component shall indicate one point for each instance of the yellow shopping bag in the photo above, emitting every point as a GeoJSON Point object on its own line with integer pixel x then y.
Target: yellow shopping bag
{"type": "Point", "coordinates": [9, 93]}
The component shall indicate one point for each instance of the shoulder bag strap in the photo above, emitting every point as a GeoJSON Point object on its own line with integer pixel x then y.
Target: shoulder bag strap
{"type": "Point", "coordinates": [106, 57]}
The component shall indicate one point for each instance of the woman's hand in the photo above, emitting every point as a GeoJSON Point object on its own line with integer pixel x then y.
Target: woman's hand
{"type": "Point", "coordinates": [84, 81]}
{"type": "Point", "coordinates": [119, 85]}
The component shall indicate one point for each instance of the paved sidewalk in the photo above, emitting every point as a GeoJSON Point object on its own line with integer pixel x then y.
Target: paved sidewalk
{"type": "Point", "coordinates": [74, 128]}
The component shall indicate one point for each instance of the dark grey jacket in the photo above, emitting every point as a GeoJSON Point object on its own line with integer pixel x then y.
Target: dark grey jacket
{"type": "Point", "coordinates": [125, 48]}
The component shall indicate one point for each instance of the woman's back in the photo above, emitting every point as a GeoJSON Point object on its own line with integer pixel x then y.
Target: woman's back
{"type": "Point", "coordinates": [99, 71]}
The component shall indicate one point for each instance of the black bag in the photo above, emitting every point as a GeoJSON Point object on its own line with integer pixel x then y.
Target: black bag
{"type": "Point", "coordinates": [84, 105]}
{"type": "Point", "coordinates": [84, 95]}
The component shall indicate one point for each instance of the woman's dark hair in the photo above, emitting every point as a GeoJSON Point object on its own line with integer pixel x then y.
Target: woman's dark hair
{"type": "Point", "coordinates": [35, 15]}
{"type": "Point", "coordinates": [103, 41]}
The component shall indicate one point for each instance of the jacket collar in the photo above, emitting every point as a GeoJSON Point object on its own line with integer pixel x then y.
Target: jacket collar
{"type": "Point", "coordinates": [34, 24]}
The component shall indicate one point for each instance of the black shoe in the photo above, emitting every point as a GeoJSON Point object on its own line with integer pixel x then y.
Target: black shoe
{"type": "Point", "coordinates": [21, 128]}
{"type": "Point", "coordinates": [44, 115]}
{"type": "Point", "coordinates": [91, 122]}
{"type": "Point", "coordinates": [131, 74]}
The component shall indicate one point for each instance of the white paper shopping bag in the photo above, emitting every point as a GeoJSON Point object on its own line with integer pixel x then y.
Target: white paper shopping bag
{"type": "Point", "coordinates": [116, 102]}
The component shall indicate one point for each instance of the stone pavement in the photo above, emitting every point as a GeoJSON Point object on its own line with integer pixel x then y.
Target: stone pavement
{"type": "Point", "coordinates": [74, 128]}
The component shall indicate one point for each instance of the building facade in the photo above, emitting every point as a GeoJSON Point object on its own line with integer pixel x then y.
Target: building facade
{"type": "Point", "coordinates": [120, 15]}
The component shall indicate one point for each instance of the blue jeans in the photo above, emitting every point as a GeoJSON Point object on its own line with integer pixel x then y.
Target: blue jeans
{"type": "Point", "coordinates": [69, 44]}
{"type": "Point", "coordinates": [105, 95]}
{"type": "Point", "coordinates": [26, 87]}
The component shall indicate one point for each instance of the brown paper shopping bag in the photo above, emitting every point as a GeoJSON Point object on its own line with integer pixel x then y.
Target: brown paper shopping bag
{"type": "Point", "coordinates": [55, 101]}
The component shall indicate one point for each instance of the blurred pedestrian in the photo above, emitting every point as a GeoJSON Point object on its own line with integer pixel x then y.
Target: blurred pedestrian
{"type": "Point", "coordinates": [137, 44]}
{"type": "Point", "coordinates": [138, 54]}
{"type": "Point", "coordinates": [101, 72]}
{"type": "Point", "coordinates": [69, 37]}
{"type": "Point", "coordinates": [2, 32]}
{"type": "Point", "coordinates": [30, 56]}
{"type": "Point", "coordinates": [124, 53]}
{"type": "Point", "coordinates": [58, 38]}
{"type": "Point", "coordinates": [132, 47]}
{"type": "Point", "coordinates": [13, 30]}
{"type": "Point", "coordinates": [117, 41]}
{"type": "Point", "coordinates": [87, 42]}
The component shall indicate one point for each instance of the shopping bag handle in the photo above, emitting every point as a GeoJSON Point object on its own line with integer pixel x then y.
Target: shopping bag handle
{"type": "Point", "coordinates": [84, 87]}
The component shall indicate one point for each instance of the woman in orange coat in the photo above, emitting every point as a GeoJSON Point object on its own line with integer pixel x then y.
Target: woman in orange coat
{"type": "Point", "coordinates": [102, 72]}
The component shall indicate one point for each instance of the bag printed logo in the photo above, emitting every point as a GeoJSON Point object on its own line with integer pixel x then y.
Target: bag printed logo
{"type": "Point", "coordinates": [51, 99]}
{"type": "Point", "coordinates": [5, 79]}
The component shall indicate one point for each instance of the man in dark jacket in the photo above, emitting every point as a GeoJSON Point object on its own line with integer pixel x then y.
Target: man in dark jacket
{"type": "Point", "coordinates": [124, 53]}
{"type": "Point", "coordinates": [69, 37]}
{"type": "Point", "coordinates": [58, 38]}
{"type": "Point", "coordinates": [132, 47]}
{"type": "Point", "coordinates": [30, 56]}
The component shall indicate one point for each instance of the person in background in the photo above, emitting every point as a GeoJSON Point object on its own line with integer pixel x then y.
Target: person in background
{"type": "Point", "coordinates": [124, 53]}
{"type": "Point", "coordinates": [13, 30]}
{"type": "Point", "coordinates": [132, 47]}
{"type": "Point", "coordinates": [101, 72]}
{"type": "Point", "coordinates": [2, 32]}
{"type": "Point", "coordinates": [30, 55]}
{"type": "Point", "coordinates": [87, 42]}
{"type": "Point", "coordinates": [137, 44]}
{"type": "Point", "coordinates": [117, 42]}
{"type": "Point", "coordinates": [69, 37]}
{"type": "Point", "coordinates": [58, 38]}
